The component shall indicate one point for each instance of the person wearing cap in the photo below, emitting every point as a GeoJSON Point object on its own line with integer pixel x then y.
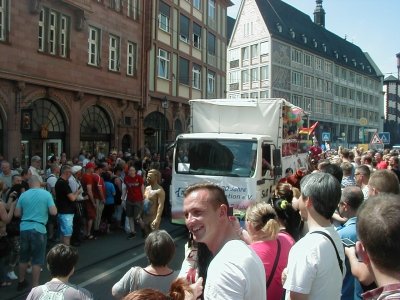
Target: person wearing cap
{"type": "Point", "coordinates": [65, 199]}
{"type": "Point", "coordinates": [90, 203]}
{"type": "Point", "coordinates": [75, 184]}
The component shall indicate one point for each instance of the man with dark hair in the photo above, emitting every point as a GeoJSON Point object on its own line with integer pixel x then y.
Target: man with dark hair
{"type": "Point", "coordinates": [33, 207]}
{"type": "Point", "coordinates": [383, 181]}
{"type": "Point", "coordinates": [236, 271]}
{"type": "Point", "coordinates": [379, 244]}
{"type": "Point", "coordinates": [315, 267]}
{"type": "Point", "coordinates": [351, 200]}
{"type": "Point", "coordinates": [394, 165]}
{"type": "Point", "coordinates": [61, 261]}
{"type": "Point", "coordinates": [361, 176]}
{"type": "Point", "coordinates": [334, 170]}
{"type": "Point", "coordinates": [65, 200]}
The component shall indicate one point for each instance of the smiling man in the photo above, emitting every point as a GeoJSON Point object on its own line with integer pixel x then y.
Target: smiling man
{"type": "Point", "coordinates": [235, 272]}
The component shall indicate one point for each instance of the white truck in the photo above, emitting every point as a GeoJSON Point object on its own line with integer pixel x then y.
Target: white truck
{"type": "Point", "coordinates": [241, 145]}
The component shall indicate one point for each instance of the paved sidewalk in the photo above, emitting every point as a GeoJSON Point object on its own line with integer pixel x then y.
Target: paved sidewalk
{"type": "Point", "coordinates": [91, 252]}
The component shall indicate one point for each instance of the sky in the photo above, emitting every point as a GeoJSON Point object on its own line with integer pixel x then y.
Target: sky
{"type": "Point", "coordinates": [372, 25]}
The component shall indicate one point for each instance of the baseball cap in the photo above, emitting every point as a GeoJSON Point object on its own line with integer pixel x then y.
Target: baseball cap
{"type": "Point", "coordinates": [90, 165]}
{"type": "Point", "coordinates": [76, 169]}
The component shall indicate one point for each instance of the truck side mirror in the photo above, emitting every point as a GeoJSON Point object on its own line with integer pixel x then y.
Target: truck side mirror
{"type": "Point", "coordinates": [276, 155]}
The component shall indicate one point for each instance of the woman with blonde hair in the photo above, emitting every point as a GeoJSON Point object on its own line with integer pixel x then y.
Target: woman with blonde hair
{"type": "Point", "coordinates": [263, 229]}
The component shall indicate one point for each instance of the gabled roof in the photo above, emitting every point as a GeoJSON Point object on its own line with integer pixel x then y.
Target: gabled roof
{"type": "Point", "coordinates": [230, 24]}
{"type": "Point", "coordinates": [390, 78]}
{"type": "Point", "coordinates": [289, 24]}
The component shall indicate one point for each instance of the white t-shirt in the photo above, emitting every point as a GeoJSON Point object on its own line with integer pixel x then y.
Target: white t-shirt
{"type": "Point", "coordinates": [236, 272]}
{"type": "Point", "coordinates": [313, 267]}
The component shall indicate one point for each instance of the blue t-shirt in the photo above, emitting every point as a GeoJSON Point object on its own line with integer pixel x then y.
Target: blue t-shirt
{"type": "Point", "coordinates": [34, 205]}
{"type": "Point", "coordinates": [351, 289]}
{"type": "Point", "coordinates": [110, 191]}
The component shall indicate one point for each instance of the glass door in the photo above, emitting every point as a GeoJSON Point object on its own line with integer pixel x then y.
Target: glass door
{"type": "Point", "coordinates": [50, 148]}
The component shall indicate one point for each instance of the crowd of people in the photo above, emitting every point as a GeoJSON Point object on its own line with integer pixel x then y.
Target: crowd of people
{"type": "Point", "coordinates": [332, 232]}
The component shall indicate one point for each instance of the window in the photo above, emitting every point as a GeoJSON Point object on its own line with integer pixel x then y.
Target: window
{"type": "Point", "coordinates": [94, 46]}
{"type": "Point", "coordinates": [264, 94]}
{"type": "Point", "coordinates": [196, 74]}
{"type": "Point", "coordinates": [234, 54]}
{"type": "Point", "coordinates": [254, 74]}
{"type": "Point", "coordinates": [4, 12]}
{"type": "Point", "coordinates": [248, 29]}
{"type": "Point", "coordinates": [133, 9]}
{"type": "Point", "coordinates": [254, 51]}
{"type": "Point", "coordinates": [234, 76]}
{"type": "Point", "coordinates": [307, 60]}
{"type": "Point", "coordinates": [307, 81]}
{"type": "Point", "coordinates": [318, 64]}
{"type": "Point", "coordinates": [210, 82]}
{"type": "Point", "coordinates": [115, 4]}
{"type": "Point", "coordinates": [163, 64]}
{"type": "Point", "coordinates": [328, 67]}
{"type": "Point", "coordinates": [184, 28]}
{"type": "Point", "coordinates": [264, 48]}
{"type": "Point", "coordinates": [254, 95]}
{"type": "Point", "coordinates": [328, 87]}
{"type": "Point", "coordinates": [319, 84]}
{"type": "Point", "coordinates": [113, 53]}
{"type": "Point", "coordinates": [264, 73]}
{"type": "Point", "coordinates": [131, 59]}
{"type": "Point", "coordinates": [197, 4]}
{"type": "Point", "coordinates": [319, 106]}
{"type": "Point", "coordinates": [211, 44]}
{"type": "Point", "coordinates": [183, 71]}
{"type": "Point", "coordinates": [245, 76]}
{"type": "Point", "coordinates": [297, 78]}
{"type": "Point", "coordinates": [245, 53]}
{"type": "Point", "coordinates": [196, 35]}
{"type": "Point", "coordinates": [211, 9]}
{"type": "Point", "coordinates": [53, 33]}
{"type": "Point", "coordinates": [163, 16]}
{"type": "Point", "coordinates": [297, 56]}
{"type": "Point", "coordinates": [328, 108]}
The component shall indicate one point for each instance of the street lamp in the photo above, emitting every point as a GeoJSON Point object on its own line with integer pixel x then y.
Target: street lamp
{"type": "Point", "coordinates": [165, 105]}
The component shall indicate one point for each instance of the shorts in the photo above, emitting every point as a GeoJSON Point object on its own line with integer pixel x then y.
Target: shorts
{"type": "Point", "coordinates": [33, 247]}
{"type": "Point", "coordinates": [90, 210]}
{"type": "Point", "coordinates": [65, 222]}
{"type": "Point", "coordinates": [134, 209]}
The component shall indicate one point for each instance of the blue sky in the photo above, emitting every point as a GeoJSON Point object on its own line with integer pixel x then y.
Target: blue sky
{"type": "Point", "coordinates": [373, 25]}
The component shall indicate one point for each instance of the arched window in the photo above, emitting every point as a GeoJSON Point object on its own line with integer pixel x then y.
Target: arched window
{"type": "Point", "coordinates": [47, 113]}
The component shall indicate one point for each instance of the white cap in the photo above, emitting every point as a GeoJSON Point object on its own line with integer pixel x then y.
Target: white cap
{"type": "Point", "coordinates": [76, 169]}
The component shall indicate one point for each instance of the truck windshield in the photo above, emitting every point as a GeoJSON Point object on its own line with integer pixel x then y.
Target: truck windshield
{"type": "Point", "coordinates": [236, 158]}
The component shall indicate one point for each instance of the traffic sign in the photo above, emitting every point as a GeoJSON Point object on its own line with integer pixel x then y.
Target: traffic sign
{"type": "Point", "coordinates": [384, 137]}
{"type": "Point", "coordinates": [375, 140]}
{"type": "Point", "coordinates": [326, 136]}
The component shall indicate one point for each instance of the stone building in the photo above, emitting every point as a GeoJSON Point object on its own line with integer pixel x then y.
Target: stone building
{"type": "Point", "coordinates": [105, 74]}
{"type": "Point", "coordinates": [278, 51]}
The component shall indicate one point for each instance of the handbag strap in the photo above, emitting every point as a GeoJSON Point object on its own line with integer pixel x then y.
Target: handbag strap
{"type": "Point", "coordinates": [278, 253]}
{"type": "Point", "coordinates": [334, 246]}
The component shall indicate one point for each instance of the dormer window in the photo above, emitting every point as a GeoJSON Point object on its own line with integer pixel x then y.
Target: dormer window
{"type": "Point", "coordinates": [345, 58]}
{"type": "Point", "coordinates": [279, 26]}
{"type": "Point", "coordinates": [362, 66]}
{"type": "Point", "coordinates": [336, 54]}
{"type": "Point", "coordinates": [292, 33]}
{"type": "Point", "coordinates": [369, 68]}
{"type": "Point", "coordinates": [324, 47]}
{"type": "Point", "coordinates": [354, 62]}
{"type": "Point", "coordinates": [315, 43]}
{"type": "Point", "coordinates": [304, 39]}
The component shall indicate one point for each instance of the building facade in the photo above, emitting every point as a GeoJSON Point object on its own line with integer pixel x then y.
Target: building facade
{"type": "Point", "coordinates": [187, 60]}
{"type": "Point", "coordinates": [69, 76]}
{"type": "Point", "coordinates": [391, 89]}
{"type": "Point", "coordinates": [105, 74]}
{"type": "Point", "coordinates": [277, 51]}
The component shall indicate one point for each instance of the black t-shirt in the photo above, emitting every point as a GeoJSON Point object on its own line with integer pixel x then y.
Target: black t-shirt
{"type": "Point", "coordinates": [63, 204]}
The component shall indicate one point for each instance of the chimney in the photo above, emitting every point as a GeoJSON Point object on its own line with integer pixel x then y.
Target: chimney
{"type": "Point", "coordinates": [319, 14]}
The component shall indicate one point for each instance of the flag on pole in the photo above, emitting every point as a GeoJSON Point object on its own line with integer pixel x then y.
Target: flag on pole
{"type": "Point", "coordinates": [308, 130]}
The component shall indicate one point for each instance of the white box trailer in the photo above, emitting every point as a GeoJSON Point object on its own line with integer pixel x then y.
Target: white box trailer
{"type": "Point", "coordinates": [242, 145]}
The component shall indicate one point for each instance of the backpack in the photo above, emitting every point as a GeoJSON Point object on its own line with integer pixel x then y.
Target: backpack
{"type": "Point", "coordinates": [53, 295]}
